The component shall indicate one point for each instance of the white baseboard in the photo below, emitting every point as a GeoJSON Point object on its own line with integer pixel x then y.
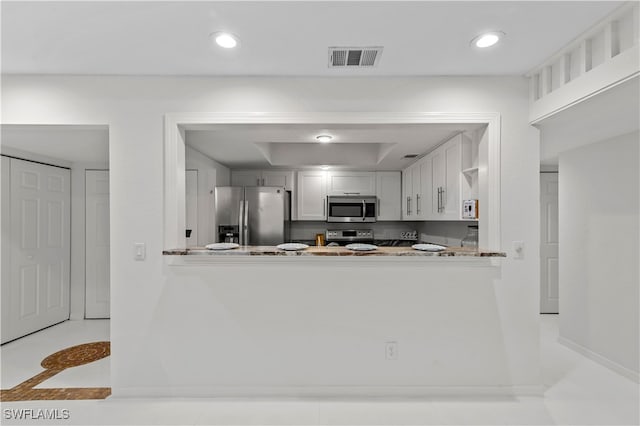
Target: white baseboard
{"type": "Point", "coordinates": [606, 362]}
{"type": "Point", "coordinates": [330, 392]}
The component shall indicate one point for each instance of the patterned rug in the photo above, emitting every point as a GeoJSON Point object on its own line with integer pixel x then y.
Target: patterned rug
{"type": "Point", "coordinates": [55, 363]}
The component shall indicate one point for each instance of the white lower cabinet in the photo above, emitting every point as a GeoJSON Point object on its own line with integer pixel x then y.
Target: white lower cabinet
{"type": "Point", "coordinates": [388, 191]}
{"type": "Point", "coordinates": [312, 195]}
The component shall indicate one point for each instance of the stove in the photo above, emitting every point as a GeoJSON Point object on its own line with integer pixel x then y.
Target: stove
{"type": "Point", "coordinates": [407, 239]}
{"type": "Point", "coordinates": [395, 243]}
{"type": "Point", "coordinates": [348, 236]}
{"type": "Point", "coordinates": [365, 236]}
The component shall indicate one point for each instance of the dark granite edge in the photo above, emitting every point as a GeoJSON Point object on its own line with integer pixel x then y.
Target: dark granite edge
{"type": "Point", "coordinates": [304, 253]}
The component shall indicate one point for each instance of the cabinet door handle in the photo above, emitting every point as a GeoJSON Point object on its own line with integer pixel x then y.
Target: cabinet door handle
{"type": "Point", "coordinates": [258, 182]}
{"type": "Point", "coordinates": [324, 208]}
{"type": "Point", "coordinates": [351, 193]}
{"type": "Point", "coordinates": [378, 207]}
{"type": "Point", "coordinates": [444, 199]}
{"type": "Point", "coordinates": [246, 223]}
{"type": "Point", "coordinates": [262, 181]}
{"type": "Point", "coordinates": [241, 223]}
{"type": "Point", "coordinates": [417, 204]}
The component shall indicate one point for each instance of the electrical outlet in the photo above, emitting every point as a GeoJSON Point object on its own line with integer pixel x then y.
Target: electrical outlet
{"type": "Point", "coordinates": [391, 351]}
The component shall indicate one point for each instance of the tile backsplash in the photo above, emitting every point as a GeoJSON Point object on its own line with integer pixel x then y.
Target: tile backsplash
{"type": "Point", "coordinates": [304, 230]}
{"type": "Point", "coordinates": [448, 233]}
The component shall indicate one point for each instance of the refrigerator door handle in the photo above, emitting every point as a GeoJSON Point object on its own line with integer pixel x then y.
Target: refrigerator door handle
{"type": "Point", "coordinates": [241, 224]}
{"type": "Point", "coordinates": [246, 223]}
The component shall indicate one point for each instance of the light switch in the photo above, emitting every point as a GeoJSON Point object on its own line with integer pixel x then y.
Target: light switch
{"type": "Point", "coordinates": [140, 251]}
{"type": "Point", "coordinates": [518, 249]}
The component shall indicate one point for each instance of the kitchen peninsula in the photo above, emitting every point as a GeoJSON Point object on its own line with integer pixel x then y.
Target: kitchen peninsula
{"type": "Point", "coordinates": [327, 321]}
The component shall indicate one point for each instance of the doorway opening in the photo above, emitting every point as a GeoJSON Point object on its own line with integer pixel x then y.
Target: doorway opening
{"type": "Point", "coordinates": [55, 191]}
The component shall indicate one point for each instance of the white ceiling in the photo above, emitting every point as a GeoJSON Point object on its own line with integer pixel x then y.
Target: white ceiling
{"type": "Point", "coordinates": [367, 147]}
{"type": "Point", "coordinates": [72, 144]}
{"type": "Point", "coordinates": [280, 39]}
{"type": "Point", "coordinates": [285, 38]}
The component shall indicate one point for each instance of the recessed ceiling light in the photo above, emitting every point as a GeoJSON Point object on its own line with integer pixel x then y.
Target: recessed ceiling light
{"type": "Point", "coordinates": [487, 39]}
{"type": "Point", "coordinates": [325, 167]}
{"type": "Point", "coordinates": [226, 40]}
{"type": "Point", "coordinates": [324, 138]}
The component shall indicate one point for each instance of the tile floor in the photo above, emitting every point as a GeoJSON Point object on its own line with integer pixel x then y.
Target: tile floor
{"type": "Point", "coordinates": [578, 392]}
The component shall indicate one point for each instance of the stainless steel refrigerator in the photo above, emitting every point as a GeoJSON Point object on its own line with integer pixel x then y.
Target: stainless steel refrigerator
{"type": "Point", "coordinates": [252, 215]}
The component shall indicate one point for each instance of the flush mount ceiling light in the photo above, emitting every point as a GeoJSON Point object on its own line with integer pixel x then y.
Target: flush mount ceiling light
{"type": "Point", "coordinates": [325, 167]}
{"type": "Point", "coordinates": [226, 40]}
{"type": "Point", "coordinates": [487, 39]}
{"type": "Point", "coordinates": [324, 138]}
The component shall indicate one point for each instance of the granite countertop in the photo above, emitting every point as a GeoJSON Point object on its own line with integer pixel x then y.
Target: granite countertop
{"type": "Point", "coordinates": [333, 251]}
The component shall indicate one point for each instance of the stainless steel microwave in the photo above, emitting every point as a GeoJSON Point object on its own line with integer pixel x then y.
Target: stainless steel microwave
{"type": "Point", "coordinates": [349, 208]}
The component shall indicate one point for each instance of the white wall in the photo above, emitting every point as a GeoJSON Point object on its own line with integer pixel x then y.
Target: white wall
{"type": "Point", "coordinates": [210, 174]}
{"type": "Point", "coordinates": [599, 251]}
{"type": "Point", "coordinates": [134, 108]}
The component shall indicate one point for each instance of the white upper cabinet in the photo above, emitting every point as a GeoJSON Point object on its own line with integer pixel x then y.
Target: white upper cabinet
{"type": "Point", "coordinates": [407, 191]}
{"type": "Point", "coordinates": [351, 183]}
{"type": "Point", "coordinates": [278, 178]}
{"type": "Point", "coordinates": [433, 187]}
{"type": "Point", "coordinates": [388, 190]}
{"type": "Point", "coordinates": [246, 177]}
{"type": "Point", "coordinates": [414, 201]}
{"type": "Point", "coordinates": [446, 165]}
{"type": "Point", "coordinates": [312, 195]}
{"type": "Point", "coordinates": [282, 178]}
{"type": "Point", "coordinates": [423, 207]}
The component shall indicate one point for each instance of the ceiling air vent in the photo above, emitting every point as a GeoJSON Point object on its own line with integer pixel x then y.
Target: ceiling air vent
{"type": "Point", "coordinates": [352, 57]}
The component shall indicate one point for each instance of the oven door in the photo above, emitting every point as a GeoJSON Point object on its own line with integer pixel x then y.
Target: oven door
{"type": "Point", "coordinates": [352, 209]}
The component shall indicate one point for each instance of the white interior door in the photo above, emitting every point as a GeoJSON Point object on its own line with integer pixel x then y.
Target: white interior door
{"type": "Point", "coordinates": [40, 256]}
{"type": "Point", "coordinates": [191, 198]}
{"type": "Point", "coordinates": [97, 278]}
{"type": "Point", "coordinates": [549, 243]}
